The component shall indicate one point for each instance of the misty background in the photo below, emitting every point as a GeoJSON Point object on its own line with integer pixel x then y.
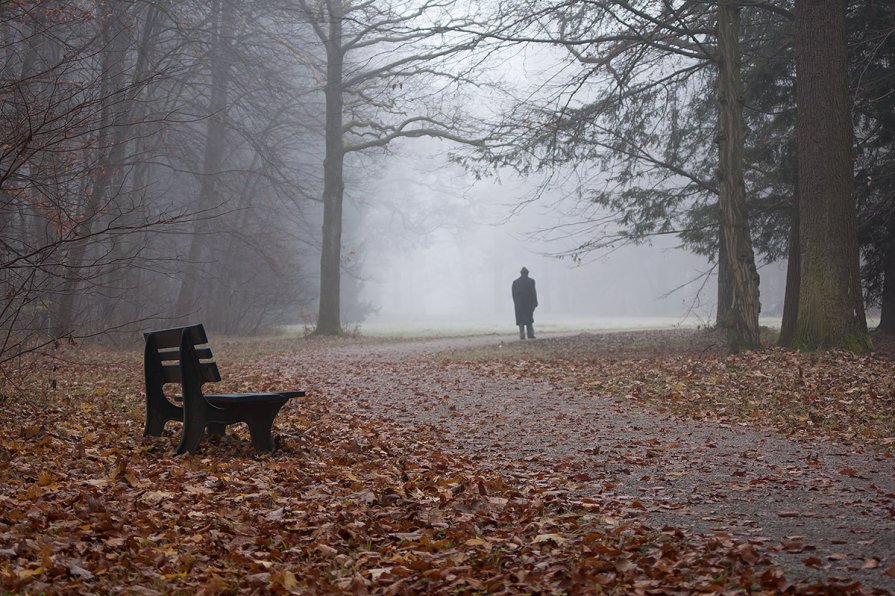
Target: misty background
{"type": "Point", "coordinates": [438, 251]}
{"type": "Point", "coordinates": [388, 167]}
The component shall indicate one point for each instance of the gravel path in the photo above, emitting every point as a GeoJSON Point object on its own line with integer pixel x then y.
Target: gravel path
{"type": "Point", "coordinates": [817, 508]}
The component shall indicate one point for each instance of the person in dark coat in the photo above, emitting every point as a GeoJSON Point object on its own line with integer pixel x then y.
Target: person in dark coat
{"type": "Point", "coordinates": [525, 298]}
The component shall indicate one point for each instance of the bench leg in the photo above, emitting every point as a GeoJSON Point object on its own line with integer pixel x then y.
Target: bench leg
{"type": "Point", "coordinates": [155, 425]}
{"type": "Point", "coordinates": [158, 411]}
{"type": "Point", "coordinates": [260, 425]}
{"type": "Point", "coordinates": [193, 431]}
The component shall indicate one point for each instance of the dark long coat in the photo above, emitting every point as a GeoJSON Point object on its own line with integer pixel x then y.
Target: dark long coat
{"type": "Point", "coordinates": [525, 298]}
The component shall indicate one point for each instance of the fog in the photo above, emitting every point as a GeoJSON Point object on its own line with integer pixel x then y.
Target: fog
{"type": "Point", "coordinates": [438, 251]}
{"type": "Point", "coordinates": [256, 166]}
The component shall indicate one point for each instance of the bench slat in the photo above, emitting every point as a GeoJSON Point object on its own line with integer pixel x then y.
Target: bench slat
{"type": "Point", "coordinates": [173, 355]}
{"type": "Point", "coordinates": [209, 371]}
{"type": "Point", "coordinates": [291, 394]}
{"type": "Point", "coordinates": [170, 338]}
{"type": "Point", "coordinates": [257, 396]}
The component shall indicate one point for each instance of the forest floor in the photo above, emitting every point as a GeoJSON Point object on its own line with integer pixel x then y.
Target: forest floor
{"type": "Point", "coordinates": [642, 462]}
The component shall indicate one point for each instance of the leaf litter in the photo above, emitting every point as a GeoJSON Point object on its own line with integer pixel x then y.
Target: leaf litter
{"type": "Point", "coordinates": [348, 503]}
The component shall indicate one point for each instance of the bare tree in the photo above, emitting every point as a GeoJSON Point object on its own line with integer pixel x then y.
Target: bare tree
{"type": "Point", "coordinates": [235, 160]}
{"type": "Point", "coordinates": [100, 148]}
{"type": "Point", "coordinates": [222, 32]}
{"type": "Point", "coordinates": [385, 76]}
{"type": "Point", "coordinates": [62, 94]}
{"type": "Point", "coordinates": [239, 159]}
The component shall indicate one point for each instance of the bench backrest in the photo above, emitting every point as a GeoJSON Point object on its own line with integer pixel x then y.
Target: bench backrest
{"type": "Point", "coordinates": [162, 358]}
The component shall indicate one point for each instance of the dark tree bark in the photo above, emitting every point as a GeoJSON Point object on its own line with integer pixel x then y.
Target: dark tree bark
{"type": "Point", "coordinates": [791, 295]}
{"type": "Point", "coordinates": [887, 312]}
{"type": "Point", "coordinates": [725, 284]}
{"type": "Point", "coordinates": [329, 309]}
{"type": "Point", "coordinates": [741, 322]}
{"type": "Point", "coordinates": [831, 307]}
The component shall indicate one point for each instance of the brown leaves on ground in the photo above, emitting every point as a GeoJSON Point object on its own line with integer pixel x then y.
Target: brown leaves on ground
{"type": "Point", "coordinates": [834, 394]}
{"type": "Point", "coordinates": [88, 505]}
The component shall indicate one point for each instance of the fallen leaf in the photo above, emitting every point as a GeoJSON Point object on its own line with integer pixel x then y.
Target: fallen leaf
{"type": "Point", "coordinates": [29, 573]}
{"type": "Point", "coordinates": [477, 542]}
{"type": "Point", "coordinates": [154, 497]}
{"type": "Point", "coordinates": [558, 539]}
{"type": "Point", "coordinates": [289, 581]}
{"type": "Point", "coordinates": [850, 472]}
{"type": "Point", "coordinates": [79, 571]}
{"type": "Point", "coordinates": [378, 572]}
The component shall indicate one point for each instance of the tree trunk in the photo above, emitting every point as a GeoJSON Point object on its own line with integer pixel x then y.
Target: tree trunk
{"type": "Point", "coordinates": [831, 306]}
{"type": "Point", "coordinates": [887, 312]}
{"type": "Point", "coordinates": [189, 304]}
{"type": "Point", "coordinates": [742, 320]}
{"type": "Point", "coordinates": [791, 295]}
{"type": "Point", "coordinates": [725, 284]}
{"type": "Point", "coordinates": [329, 316]}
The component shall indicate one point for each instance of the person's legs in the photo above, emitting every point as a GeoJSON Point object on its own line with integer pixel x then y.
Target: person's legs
{"type": "Point", "coordinates": [531, 330]}
{"type": "Point", "coordinates": [521, 331]}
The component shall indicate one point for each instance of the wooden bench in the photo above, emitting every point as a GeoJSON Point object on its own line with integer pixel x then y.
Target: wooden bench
{"type": "Point", "coordinates": [182, 355]}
